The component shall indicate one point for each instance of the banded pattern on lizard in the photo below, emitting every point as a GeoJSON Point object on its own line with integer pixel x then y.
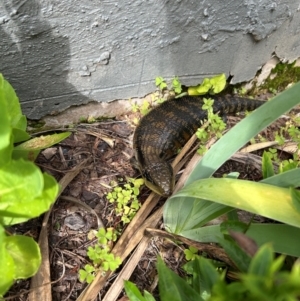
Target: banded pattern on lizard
{"type": "Point", "coordinates": [168, 127]}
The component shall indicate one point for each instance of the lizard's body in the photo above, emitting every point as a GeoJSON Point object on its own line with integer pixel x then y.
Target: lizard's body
{"type": "Point", "coordinates": [168, 127]}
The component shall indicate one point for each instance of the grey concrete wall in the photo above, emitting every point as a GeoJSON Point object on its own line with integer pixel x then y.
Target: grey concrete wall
{"type": "Point", "coordinates": [58, 53]}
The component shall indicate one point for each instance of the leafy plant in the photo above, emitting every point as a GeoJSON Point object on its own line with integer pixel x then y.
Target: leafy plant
{"type": "Point", "coordinates": [160, 83]}
{"type": "Point", "coordinates": [212, 85]}
{"type": "Point", "coordinates": [126, 200]}
{"type": "Point", "coordinates": [126, 206]}
{"type": "Point", "coordinates": [87, 273]}
{"type": "Point", "coordinates": [175, 84]}
{"type": "Point", "coordinates": [204, 198]}
{"type": "Point", "coordinates": [271, 155]}
{"type": "Point", "coordinates": [100, 256]}
{"type": "Point", "coordinates": [25, 191]}
{"type": "Point", "coordinates": [264, 279]}
{"type": "Point", "coordinates": [214, 125]}
{"type": "Point", "coordinates": [145, 107]}
{"type": "Point", "coordinates": [190, 253]}
{"type": "Point", "coordinates": [209, 85]}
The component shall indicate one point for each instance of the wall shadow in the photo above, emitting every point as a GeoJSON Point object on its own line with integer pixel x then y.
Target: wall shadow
{"type": "Point", "coordinates": [35, 60]}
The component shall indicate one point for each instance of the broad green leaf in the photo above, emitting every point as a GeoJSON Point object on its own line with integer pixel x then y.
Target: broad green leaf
{"type": "Point", "coordinates": [218, 83]}
{"type": "Point", "coordinates": [25, 253]}
{"type": "Point", "coordinates": [17, 119]}
{"type": "Point", "coordinates": [5, 128]}
{"type": "Point", "coordinates": [185, 218]}
{"type": "Point", "coordinates": [32, 196]}
{"type": "Point", "coordinates": [201, 89]}
{"type": "Point", "coordinates": [259, 198]}
{"type": "Point", "coordinates": [172, 287]}
{"type": "Point", "coordinates": [281, 236]}
{"type": "Point", "coordinates": [192, 91]}
{"type": "Point", "coordinates": [286, 179]}
{"type": "Point", "coordinates": [7, 266]}
{"type": "Point", "coordinates": [295, 194]}
{"type": "Point", "coordinates": [19, 180]}
{"type": "Point", "coordinates": [43, 202]}
{"type": "Point", "coordinates": [31, 148]}
{"type": "Point", "coordinates": [192, 214]}
{"type": "Point", "coordinates": [209, 85]}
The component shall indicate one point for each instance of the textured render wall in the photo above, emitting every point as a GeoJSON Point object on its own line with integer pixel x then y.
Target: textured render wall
{"type": "Point", "coordinates": [59, 53]}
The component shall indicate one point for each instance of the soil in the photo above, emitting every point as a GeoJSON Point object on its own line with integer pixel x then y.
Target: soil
{"type": "Point", "coordinates": [108, 146]}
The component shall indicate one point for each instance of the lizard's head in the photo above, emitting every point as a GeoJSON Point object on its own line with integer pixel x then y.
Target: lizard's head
{"type": "Point", "coordinates": [159, 177]}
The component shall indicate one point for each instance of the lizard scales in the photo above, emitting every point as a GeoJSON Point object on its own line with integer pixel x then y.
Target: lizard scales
{"type": "Point", "coordinates": [168, 127]}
